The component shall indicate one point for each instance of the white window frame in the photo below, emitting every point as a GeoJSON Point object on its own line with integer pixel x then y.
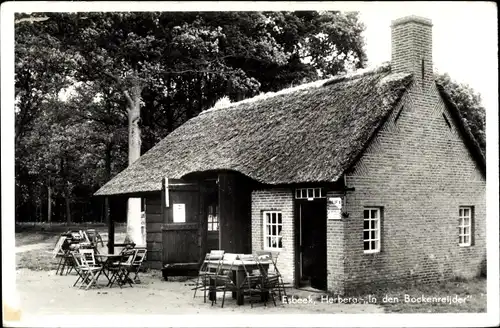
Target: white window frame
{"type": "Point", "coordinates": [462, 225]}
{"type": "Point", "coordinates": [309, 193]}
{"type": "Point", "coordinates": [266, 235]}
{"type": "Point", "coordinates": [377, 221]}
{"type": "Point", "coordinates": [213, 218]}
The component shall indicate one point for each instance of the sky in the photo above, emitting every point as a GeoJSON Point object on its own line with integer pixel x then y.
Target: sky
{"type": "Point", "coordinates": [464, 39]}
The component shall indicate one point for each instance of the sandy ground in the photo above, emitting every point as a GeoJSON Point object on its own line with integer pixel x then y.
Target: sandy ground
{"type": "Point", "coordinates": [44, 293]}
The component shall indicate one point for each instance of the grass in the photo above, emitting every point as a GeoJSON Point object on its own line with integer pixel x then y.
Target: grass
{"type": "Point", "coordinates": [408, 299]}
{"type": "Point", "coordinates": [40, 256]}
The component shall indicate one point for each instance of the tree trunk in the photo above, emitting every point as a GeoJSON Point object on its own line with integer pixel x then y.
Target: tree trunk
{"type": "Point", "coordinates": [68, 205]}
{"type": "Point", "coordinates": [49, 202]}
{"type": "Point", "coordinates": [134, 152]}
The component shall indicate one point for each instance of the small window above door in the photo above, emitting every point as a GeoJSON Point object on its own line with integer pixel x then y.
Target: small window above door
{"type": "Point", "coordinates": [309, 193]}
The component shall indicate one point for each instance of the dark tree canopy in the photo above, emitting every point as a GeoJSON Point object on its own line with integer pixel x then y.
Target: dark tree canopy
{"type": "Point", "coordinates": [172, 65]}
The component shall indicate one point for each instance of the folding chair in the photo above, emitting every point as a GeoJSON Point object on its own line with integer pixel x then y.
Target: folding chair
{"type": "Point", "coordinates": [205, 272]}
{"type": "Point", "coordinates": [80, 267]}
{"type": "Point", "coordinates": [140, 256]}
{"type": "Point", "coordinates": [91, 271]}
{"type": "Point", "coordinates": [223, 279]}
{"type": "Point", "coordinates": [273, 258]}
{"type": "Point", "coordinates": [252, 284]}
{"type": "Point", "coordinates": [122, 271]}
{"type": "Point", "coordinates": [270, 284]}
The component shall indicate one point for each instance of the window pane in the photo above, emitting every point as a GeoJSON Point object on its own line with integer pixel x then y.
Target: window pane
{"type": "Point", "coordinates": [466, 221]}
{"type": "Point", "coordinates": [466, 231]}
{"type": "Point", "coordinates": [460, 239]}
{"type": "Point", "coordinates": [374, 214]}
{"type": "Point", "coordinates": [274, 217]}
{"type": "Point", "coordinates": [280, 242]}
{"type": "Point", "coordinates": [268, 230]}
{"type": "Point", "coordinates": [216, 218]}
{"type": "Point", "coordinates": [273, 242]}
{"type": "Point", "coordinates": [297, 193]}
{"type": "Point", "coordinates": [279, 230]}
{"type": "Point", "coordinates": [216, 226]}
{"type": "Point", "coordinates": [273, 231]}
{"type": "Point", "coordinates": [366, 235]}
{"type": "Point", "coordinates": [367, 214]}
{"type": "Point", "coordinates": [466, 212]}
{"type": "Point", "coordinates": [366, 224]}
{"type": "Point", "coordinates": [372, 224]}
{"type": "Point", "coordinates": [279, 218]}
{"type": "Point", "coordinates": [466, 239]}
{"type": "Point", "coordinates": [268, 241]}
{"type": "Point", "coordinates": [310, 193]}
{"type": "Point", "coordinates": [366, 245]}
{"type": "Point", "coordinates": [372, 244]}
{"type": "Point", "coordinates": [210, 227]}
{"type": "Point", "coordinates": [373, 235]}
{"type": "Point", "coordinates": [268, 216]}
{"type": "Point", "coordinates": [461, 212]}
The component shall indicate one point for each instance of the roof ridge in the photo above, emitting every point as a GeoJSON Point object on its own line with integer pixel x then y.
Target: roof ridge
{"type": "Point", "coordinates": [384, 67]}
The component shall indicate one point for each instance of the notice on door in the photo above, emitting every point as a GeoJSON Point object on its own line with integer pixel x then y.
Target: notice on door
{"type": "Point", "coordinates": [334, 208]}
{"type": "Point", "coordinates": [179, 213]}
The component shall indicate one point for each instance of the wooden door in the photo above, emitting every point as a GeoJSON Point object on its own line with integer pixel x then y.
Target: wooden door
{"type": "Point", "coordinates": [182, 231]}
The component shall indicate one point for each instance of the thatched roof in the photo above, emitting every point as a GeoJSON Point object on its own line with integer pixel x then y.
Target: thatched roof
{"type": "Point", "coordinates": [311, 133]}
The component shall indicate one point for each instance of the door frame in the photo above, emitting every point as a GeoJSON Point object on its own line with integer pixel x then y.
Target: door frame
{"type": "Point", "coordinates": [298, 235]}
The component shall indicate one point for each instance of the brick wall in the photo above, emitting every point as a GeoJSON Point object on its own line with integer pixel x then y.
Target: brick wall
{"type": "Point", "coordinates": [275, 200]}
{"type": "Point", "coordinates": [335, 252]}
{"type": "Point", "coordinates": [419, 170]}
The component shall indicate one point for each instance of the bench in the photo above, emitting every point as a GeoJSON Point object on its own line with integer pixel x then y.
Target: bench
{"type": "Point", "coordinates": [180, 269]}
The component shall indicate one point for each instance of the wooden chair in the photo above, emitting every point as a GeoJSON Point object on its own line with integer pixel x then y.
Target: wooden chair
{"type": "Point", "coordinates": [122, 271]}
{"type": "Point", "coordinates": [80, 268]}
{"type": "Point", "coordinates": [222, 280]}
{"type": "Point", "coordinates": [205, 272]}
{"type": "Point", "coordinates": [273, 258]}
{"type": "Point", "coordinates": [140, 256]}
{"type": "Point", "coordinates": [252, 284]}
{"type": "Point", "coordinates": [87, 265]}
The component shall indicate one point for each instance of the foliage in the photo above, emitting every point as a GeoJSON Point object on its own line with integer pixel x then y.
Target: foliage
{"type": "Point", "coordinates": [78, 74]}
{"type": "Point", "coordinates": [469, 104]}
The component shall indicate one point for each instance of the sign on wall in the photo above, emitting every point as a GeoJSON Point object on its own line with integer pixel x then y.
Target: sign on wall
{"type": "Point", "coordinates": [334, 208]}
{"type": "Point", "coordinates": [179, 213]}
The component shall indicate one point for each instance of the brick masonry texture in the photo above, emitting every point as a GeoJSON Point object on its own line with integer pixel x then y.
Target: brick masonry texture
{"type": "Point", "coordinates": [419, 171]}
{"type": "Point", "coordinates": [275, 200]}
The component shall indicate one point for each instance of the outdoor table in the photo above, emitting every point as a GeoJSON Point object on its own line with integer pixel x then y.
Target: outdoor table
{"type": "Point", "coordinates": [238, 273]}
{"type": "Point", "coordinates": [106, 260]}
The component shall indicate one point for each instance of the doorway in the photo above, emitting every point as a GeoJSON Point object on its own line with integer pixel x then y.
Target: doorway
{"type": "Point", "coordinates": [312, 243]}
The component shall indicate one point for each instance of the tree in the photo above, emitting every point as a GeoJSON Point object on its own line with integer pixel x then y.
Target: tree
{"type": "Point", "coordinates": [469, 104]}
{"type": "Point", "coordinates": [150, 72]}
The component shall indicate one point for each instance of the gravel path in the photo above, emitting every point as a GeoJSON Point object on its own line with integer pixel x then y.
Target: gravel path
{"type": "Point", "coordinates": [44, 293]}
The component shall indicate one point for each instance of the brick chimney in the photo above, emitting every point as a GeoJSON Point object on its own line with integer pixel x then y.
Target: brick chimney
{"type": "Point", "coordinates": [411, 41]}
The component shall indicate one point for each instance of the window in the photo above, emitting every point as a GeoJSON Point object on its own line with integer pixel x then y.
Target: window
{"type": "Point", "coordinates": [371, 230]}
{"type": "Point", "coordinates": [213, 219]}
{"type": "Point", "coordinates": [464, 225]}
{"type": "Point", "coordinates": [273, 225]}
{"type": "Point", "coordinates": [309, 193]}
